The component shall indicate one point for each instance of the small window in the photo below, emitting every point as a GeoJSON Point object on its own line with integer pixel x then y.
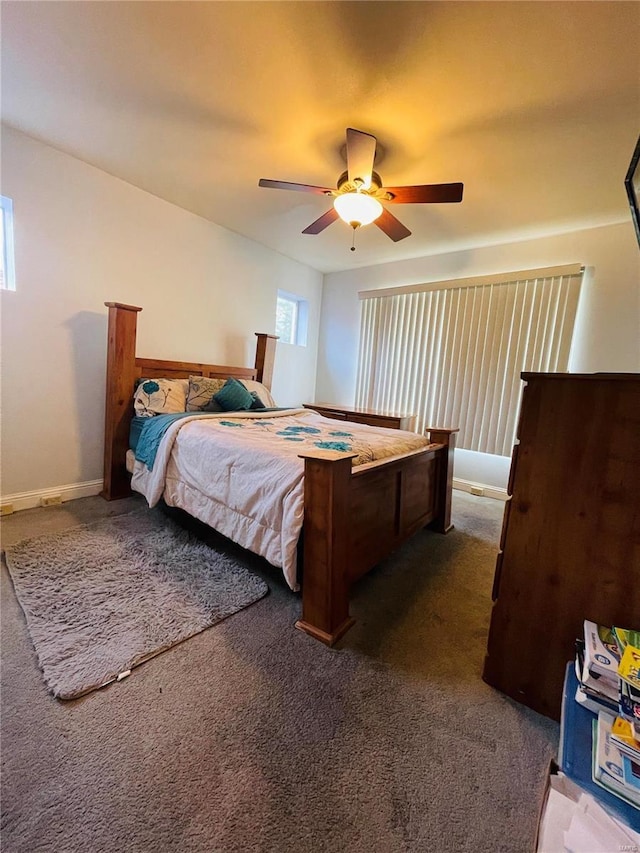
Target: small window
{"type": "Point", "coordinates": [291, 319]}
{"type": "Point", "coordinates": [7, 268]}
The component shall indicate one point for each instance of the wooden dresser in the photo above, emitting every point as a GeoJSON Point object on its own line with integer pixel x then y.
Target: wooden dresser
{"type": "Point", "coordinates": [358, 415]}
{"type": "Point", "coordinates": [570, 545]}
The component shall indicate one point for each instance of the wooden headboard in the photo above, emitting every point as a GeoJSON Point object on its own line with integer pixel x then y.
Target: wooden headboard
{"type": "Point", "coordinates": [123, 368]}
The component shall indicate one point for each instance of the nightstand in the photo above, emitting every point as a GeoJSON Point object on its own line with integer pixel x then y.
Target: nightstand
{"type": "Point", "coordinates": [359, 415]}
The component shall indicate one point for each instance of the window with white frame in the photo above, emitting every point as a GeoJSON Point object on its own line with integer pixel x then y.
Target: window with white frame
{"type": "Point", "coordinates": [452, 352]}
{"type": "Point", "coordinates": [7, 265]}
{"type": "Point", "coordinates": [291, 318]}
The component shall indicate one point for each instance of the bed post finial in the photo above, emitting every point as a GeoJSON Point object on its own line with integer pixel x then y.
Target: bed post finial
{"type": "Point", "coordinates": [440, 435]}
{"type": "Point", "coordinates": [265, 356]}
{"type": "Point", "coordinates": [121, 376]}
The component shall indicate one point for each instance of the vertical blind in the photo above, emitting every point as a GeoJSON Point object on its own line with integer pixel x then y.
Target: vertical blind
{"type": "Point", "coordinates": [452, 353]}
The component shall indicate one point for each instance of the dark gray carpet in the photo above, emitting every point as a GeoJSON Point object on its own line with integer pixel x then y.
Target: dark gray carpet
{"type": "Point", "coordinates": [101, 598]}
{"type": "Point", "coordinates": [254, 737]}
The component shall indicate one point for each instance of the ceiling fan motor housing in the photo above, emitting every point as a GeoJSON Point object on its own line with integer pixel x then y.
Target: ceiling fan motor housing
{"type": "Point", "coordinates": [347, 186]}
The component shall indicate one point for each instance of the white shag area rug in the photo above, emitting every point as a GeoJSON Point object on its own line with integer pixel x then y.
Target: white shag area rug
{"type": "Point", "coordinates": [102, 598]}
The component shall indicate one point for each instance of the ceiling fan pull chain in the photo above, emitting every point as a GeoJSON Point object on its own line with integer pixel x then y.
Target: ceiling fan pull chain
{"type": "Point", "coordinates": [353, 240]}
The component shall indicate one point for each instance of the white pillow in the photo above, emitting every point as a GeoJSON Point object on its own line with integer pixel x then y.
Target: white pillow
{"type": "Point", "coordinates": [261, 390]}
{"type": "Point", "coordinates": [160, 397]}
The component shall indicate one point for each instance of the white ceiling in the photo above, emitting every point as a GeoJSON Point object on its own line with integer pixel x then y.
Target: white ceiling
{"type": "Point", "coordinates": [534, 106]}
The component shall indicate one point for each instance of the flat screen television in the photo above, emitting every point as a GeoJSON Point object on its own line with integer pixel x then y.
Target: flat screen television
{"type": "Point", "coordinates": [632, 185]}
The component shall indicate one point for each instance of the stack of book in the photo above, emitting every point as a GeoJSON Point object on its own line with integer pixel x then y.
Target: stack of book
{"type": "Point", "coordinates": [626, 738]}
{"type": "Point", "coordinates": [597, 660]}
{"type": "Point", "coordinates": [593, 801]}
{"type": "Point", "coordinates": [608, 669]}
{"type": "Point", "coordinates": [616, 758]}
{"type": "Point", "coordinates": [629, 673]}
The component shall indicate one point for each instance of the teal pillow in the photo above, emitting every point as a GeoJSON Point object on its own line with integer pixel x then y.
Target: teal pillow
{"type": "Point", "coordinates": [233, 396]}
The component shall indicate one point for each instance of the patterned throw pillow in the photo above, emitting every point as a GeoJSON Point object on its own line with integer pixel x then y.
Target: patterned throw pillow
{"type": "Point", "coordinates": [201, 391]}
{"type": "Point", "coordinates": [160, 397]}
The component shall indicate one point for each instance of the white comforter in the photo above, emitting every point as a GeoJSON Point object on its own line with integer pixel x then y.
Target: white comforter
{"type": "Point", "coordinates": [242, 475]}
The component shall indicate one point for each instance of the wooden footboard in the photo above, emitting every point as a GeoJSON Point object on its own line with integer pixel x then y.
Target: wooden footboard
{"type": "Point", "coordinates": [354, 517]}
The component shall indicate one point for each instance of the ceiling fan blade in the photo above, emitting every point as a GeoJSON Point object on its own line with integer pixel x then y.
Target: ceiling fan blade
{"type": "Point", "coordinates": [391, 226]}
{"type": "Point", "coordinates": [427, 193]}
{"type": "Point", "coordinates": [323, 222]}
{"type": "Point", "coordinates": [302, 188]}
{"type": "Point", "coordinates": [361, 151]}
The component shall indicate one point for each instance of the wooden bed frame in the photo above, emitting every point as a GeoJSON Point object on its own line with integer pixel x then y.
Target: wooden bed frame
{"type": "Point", "coordinates": [353, 517]}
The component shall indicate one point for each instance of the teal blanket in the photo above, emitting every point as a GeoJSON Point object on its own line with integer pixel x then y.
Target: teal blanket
{"type": "Point", "coordinates": [145, 437]}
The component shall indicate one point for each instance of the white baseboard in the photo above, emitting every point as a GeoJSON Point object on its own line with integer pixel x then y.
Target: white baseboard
{"type": "Point", "coordinates": [29, 500]}
{"type": "Point", "coordinates": [480, 489]}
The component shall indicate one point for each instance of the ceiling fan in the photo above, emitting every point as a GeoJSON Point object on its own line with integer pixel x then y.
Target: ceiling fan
{"type": "Point", "coordinates": [360, 193]}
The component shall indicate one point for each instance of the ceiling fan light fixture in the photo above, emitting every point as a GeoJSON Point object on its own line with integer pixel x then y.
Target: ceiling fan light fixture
{"type": "Point", "coordinates": [357, 209]}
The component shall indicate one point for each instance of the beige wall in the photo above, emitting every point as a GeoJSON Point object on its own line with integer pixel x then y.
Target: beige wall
{"type": "Point", "coordinates": [606, 338]}
{"type": "Point", "coordinates": [83, 237]}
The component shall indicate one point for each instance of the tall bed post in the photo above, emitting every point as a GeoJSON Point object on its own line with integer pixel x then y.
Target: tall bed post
{"type": "Point", "coordinates": [265, 356]}
{"type": "Point", "coordinates": [442, 522]}
{"type": "Point", "coordinates": [121, 376]}
{"type": "Point", "coordinates": [325, 583]}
